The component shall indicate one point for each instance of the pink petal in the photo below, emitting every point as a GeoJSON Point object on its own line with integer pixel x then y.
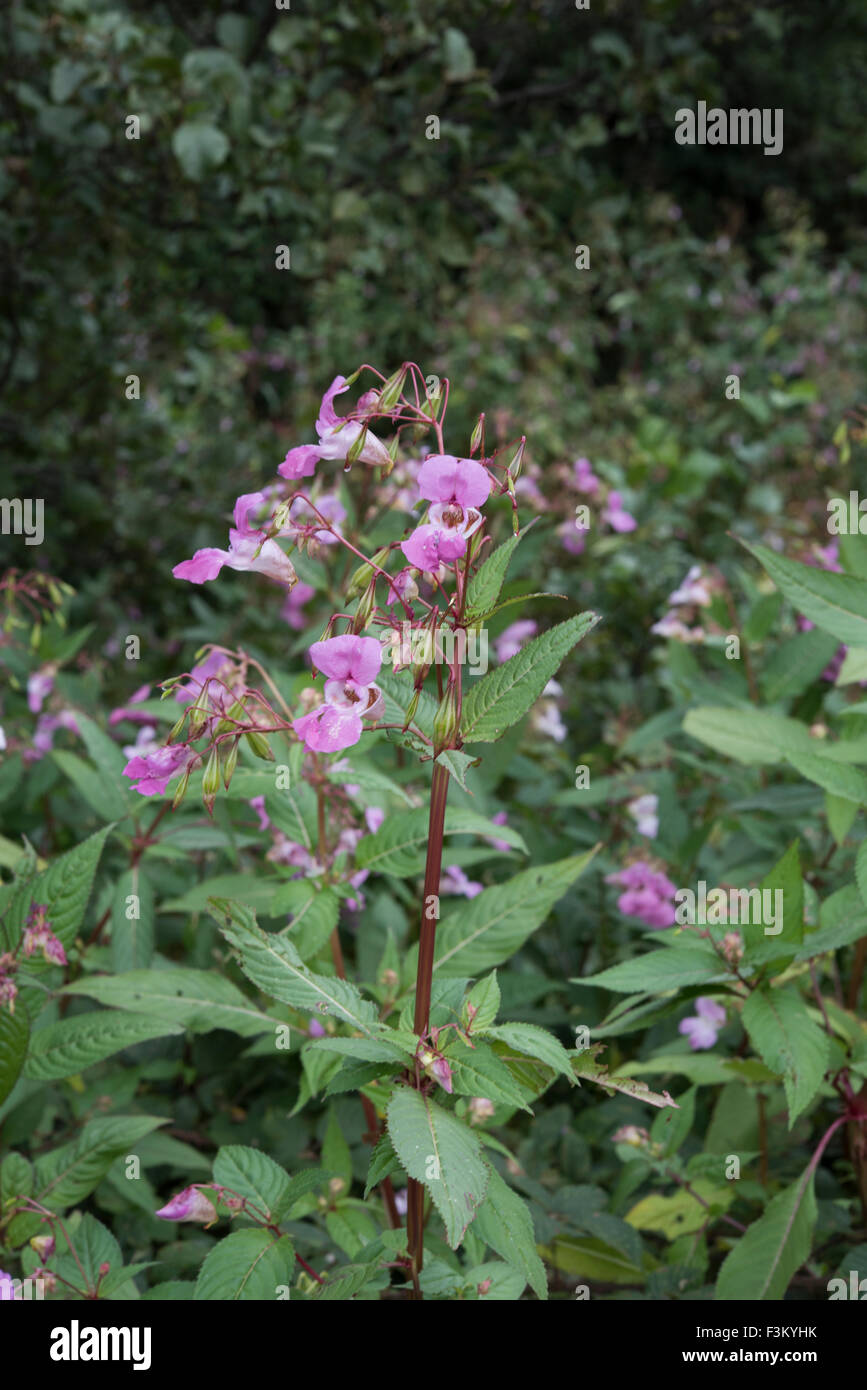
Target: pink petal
{"type": "Point", "coordinates": [300, 462]}
{"type": "Point", "coordinates": [444, 478]}
{"type": "Point", "coordinates": [326, 730]}
{"type": "Point", "coordinates": [348, 658]}
{"type": "Point", "coordinates": [205, 565]}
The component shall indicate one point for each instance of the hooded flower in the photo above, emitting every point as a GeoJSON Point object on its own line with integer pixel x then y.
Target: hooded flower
{"type": "Point", "coordinates": [431, 546]}
{"type": "Point", "coordinates": [189, 1205]}
{"type": "Point", "coordinates": [292, 612]}
{"type": "Point", "coordinates": [692, 590]}
{"type": "Point", "coordinates": [350, 663]}
{"type": "Point", "coordinates": [512, 638]}
{"type": "Point", "coordinates": [337, 434]}
{"type": "Point", "coordinates": [649, 895]}
{"type": "Point", "coordinates": [249, 549]}
{"type": "Point", "coordinates": [156, 770]}
{"type": "Point", "coordinates": [456, 488]}
{"type": "Point", "coordinates": [702, 1027]}
{"type": "Point", "coordinates": [39, 686]}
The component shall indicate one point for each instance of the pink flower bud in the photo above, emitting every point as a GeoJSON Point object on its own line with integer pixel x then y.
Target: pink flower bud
{"type": "Point", "coordinates": [189, 1205]}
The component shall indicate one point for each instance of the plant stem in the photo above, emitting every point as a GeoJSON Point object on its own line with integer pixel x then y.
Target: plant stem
{"type": "Point", "coordinates": [426, 942]}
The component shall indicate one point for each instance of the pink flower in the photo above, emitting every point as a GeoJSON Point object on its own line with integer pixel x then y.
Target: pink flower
{"type": "Point", "coordinates": [443, 1073]}
{"type": "Point", "coordinates": [258, 805]}
{"type": "Point", "coordinates": [512, 638]}
{"type": "Point", "coordinates": [136, 716]}
{"type": "Point", "coordinates": [644, 812]}
{"type": "Point", "coordinates": [573, 539]}
{"type": "Point", "coordinates": [431, 546]}
{"type": "Point", "coordinates": [353, 659]}
{"type": "Point", "coordinates": [692, 590]}
{"type": "Point", "coordinates": [454, 880]}
{"type": "Point", "coordinates": [615, 515]}
{"type": "Point", "coordinates": [702, 1028]}
{"type": "Point", "coordinates": [217, 665]}
{"type": "Point", "coordinates": [456, 488]}
{"type": "Point", "coordinates": [649, 895]}
{"type": "Point", "coordinates": [146, 741]}
{"type": "Point", "coordinates": [8, 991]}
{"type": "Point", "coordinates": [189, 1205]}
{"type": "Point", "coordinates": [157, 769]}
{"type": "Point", "coordinates": [327, 730]}
{"type": "Point", "coordinates": [584, 478]}
{"type": "Point", "coordinates": [246, 552]}
{"type": "Point", "coordinates": [315, 1030]}
{"type": "Point", "coordinates": [38, 936]}
{"type": "Point", "coordinates": [39, 686]}
{"type": "Point", "coordinates": [8, 1291]}
{"type": "Point", "coordinates": [373, 818]}
{"type": "Point", "coordinates": [402, 588]}
{"type": "Point", "coordinates": [301, 515]}
{"type": "Point", "coordinates": [337, 434]}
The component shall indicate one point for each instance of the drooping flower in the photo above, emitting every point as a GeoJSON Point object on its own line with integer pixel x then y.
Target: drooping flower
{"type": "Point", "coordinates": [702, 1027]}
{"type": "Point", "coordinates": [512, 638]}
{"type": "Point", "coordinates": [337, 434]}
{"type": "Point", "coordinates": [258, 805]}
{"type": "Point", "coordinates": [246, 552]}
{"type": "Point", "coordinates": [189, 1205]}
{"type": "Point", "coordinates": [442, 1073]}
{"type": "Point", "coordinates": [156, 770]}
{"type": "Point", "coordinates": [350, 695]}
{"type": "Point", "coordinates": [38, 936]}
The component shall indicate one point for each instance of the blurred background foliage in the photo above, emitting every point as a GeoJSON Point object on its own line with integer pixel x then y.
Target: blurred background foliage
{"type": "Point", "coordinates": [306, 128]}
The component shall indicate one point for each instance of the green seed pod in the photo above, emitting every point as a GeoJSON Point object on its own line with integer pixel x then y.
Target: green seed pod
{"type": "Point", "coordinates": [260, 746]}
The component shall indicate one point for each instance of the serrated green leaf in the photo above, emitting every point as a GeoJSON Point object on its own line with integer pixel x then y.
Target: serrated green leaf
{"type": "Point", "coordinates": [504, 1223]}
{"type": "Point", "coordinates": [14, 1037]}
{"type": "Point", "coordinates": [837, 603]}
{"type": "Point", "coordinates": [438, 1150]}
{"type": "Point", "coordinates": [535, 1042]}
{"type": "Point", "coordinates": [490, 927]}
{"type": "Point", "coordinates": [505, 694]}
{"type": "Point", "coordinates": [761, 1265]}
{"type": "Point", "coordinates": [789, 1042]}
{"type": "Point", "coordinates": [246, 1265]}
{"type": "Point", "coordinates": [252, 1174]}
{"type": "Point", "coordinates": [74, 1044]}
{"type": "Point", "coordinates": [395, 848]}
{"type": "Point", "coordinates": [132, 921]}
{"type": "Point", "coordinates": [201, 1000]}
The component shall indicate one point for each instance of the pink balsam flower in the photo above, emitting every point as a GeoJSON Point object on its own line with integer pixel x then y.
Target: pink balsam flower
{"type": "Point", "coordinates": [189, 1205]}
{"type": "Point", "coordinates": [350, 663]}
{"type": "Point", "coordinates": [616, 516]}
{"type": "Point", "coordinates": [38, 936]}
{"type": "Point", "coordinates": [155, 771]}
{"type": "Point", "coordinates": [337, 434]}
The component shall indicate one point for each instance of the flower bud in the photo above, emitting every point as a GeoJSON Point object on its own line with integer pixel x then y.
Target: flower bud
{"type": "Point", "coordinates": [478, 434]}
{"type": "Point", "coordinates": [259, 745]}
{"type": "Point", "coordinates": [182, 787]}
{"type": "Point", "coordinates": [44, 1246]}
{"type": "Point", "coordinates": [514, 469]}
{"type": "Point", "coordinates": [228, 759]}
{"type": "Point", "coordinates": [392, 391]}
{"type": "Point", "coordinates": [445, 724]}
{"type": "Point", "coordinates": [211, 780]}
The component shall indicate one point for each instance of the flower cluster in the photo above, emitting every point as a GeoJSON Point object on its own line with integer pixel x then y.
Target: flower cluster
{"type": "Point", "coordinates": [649, 894]}
{"type": "Point", "coordinates": [38, 936]}
{"type": "Point", "coordinates": [350, 695]}
{"type": "Point", "coordinates": [613, 514]}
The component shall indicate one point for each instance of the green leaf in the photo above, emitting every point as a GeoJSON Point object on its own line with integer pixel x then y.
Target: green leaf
{"type": "Point", "coordinates": [252, 1174]}
{"type": "Point", "coordinates": [253, 889]}
{"type": "Point", "coordinates": [315, 913]}
{"type": "Point", "coordinates": [383, 1162]}
{"type": "Point", "coordinates": [336, 1156]}
{"type": "Point", "coordinates": [535, 1042]}
{"type": "Point", "coordinates": [784, 877]}
{"type": "Point", "coordinates": [666, 968]}
{"type": "Point", "coordinates": [789, 1042]}
{"type": "Point", "coordinates": [102, 797]}
{"type": "Point", "coordinates": [437, 1150]}
{"type": "Point", "coordinates": [14, 1036]}
{"type": "Point", "coordinates": [246, 1265]}
{"type": "Point", "coordinates": [861, 871]}
{"type": "Point", "coordinates": [837, 603]}
{"type": "Point", "coordinates": [199, 147]}
{"type": "Point", "coordinates": [505, 694]}
{"type": "Point", "coordinates": [132, 922]}
{"type": "Point", "coordinates": [199, 999]}
{"type": "Point", "coordinates": [587, 1067]}
{"type": "Point", "coordinates": [458, 764]}
{"type": "Point", "coordinates": [490, 927]}
{"type": "Point", "coordinates": [842, 918]}
{"type": "Point", "coordinates": [504, 1223]}
{"type": "Point", "coordinates": [68, 1174]}
{"type": "Point", "coordinates": [761, 1265]}
{"type": "Point", "coordinates": [482, 1004]}
{"type": "Point", "coordinates": [70, 1046]}
{"type": "Point", "coordinates": [346, 1282]}
{"type": "Point", "coordinates": [365, 1049]}
{"type": "Point", "coordinates": [748, 735]}
{"type": "Point", "coordinates": [395, 848]}
{"type": "Point", "coordinates": [485, 585]}
{"type": "Point", "coordinates": [65, 886]}
{"type": "Point", "coordinates": [476, 1071]}
{"type": "Point", "coordinates": [273, 964]}
{"type": "Point", "coordinates": [833, 777]}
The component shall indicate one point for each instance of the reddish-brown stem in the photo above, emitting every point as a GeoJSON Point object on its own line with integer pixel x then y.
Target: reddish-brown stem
{"type": "Point", "coordinates": [426, 943]}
